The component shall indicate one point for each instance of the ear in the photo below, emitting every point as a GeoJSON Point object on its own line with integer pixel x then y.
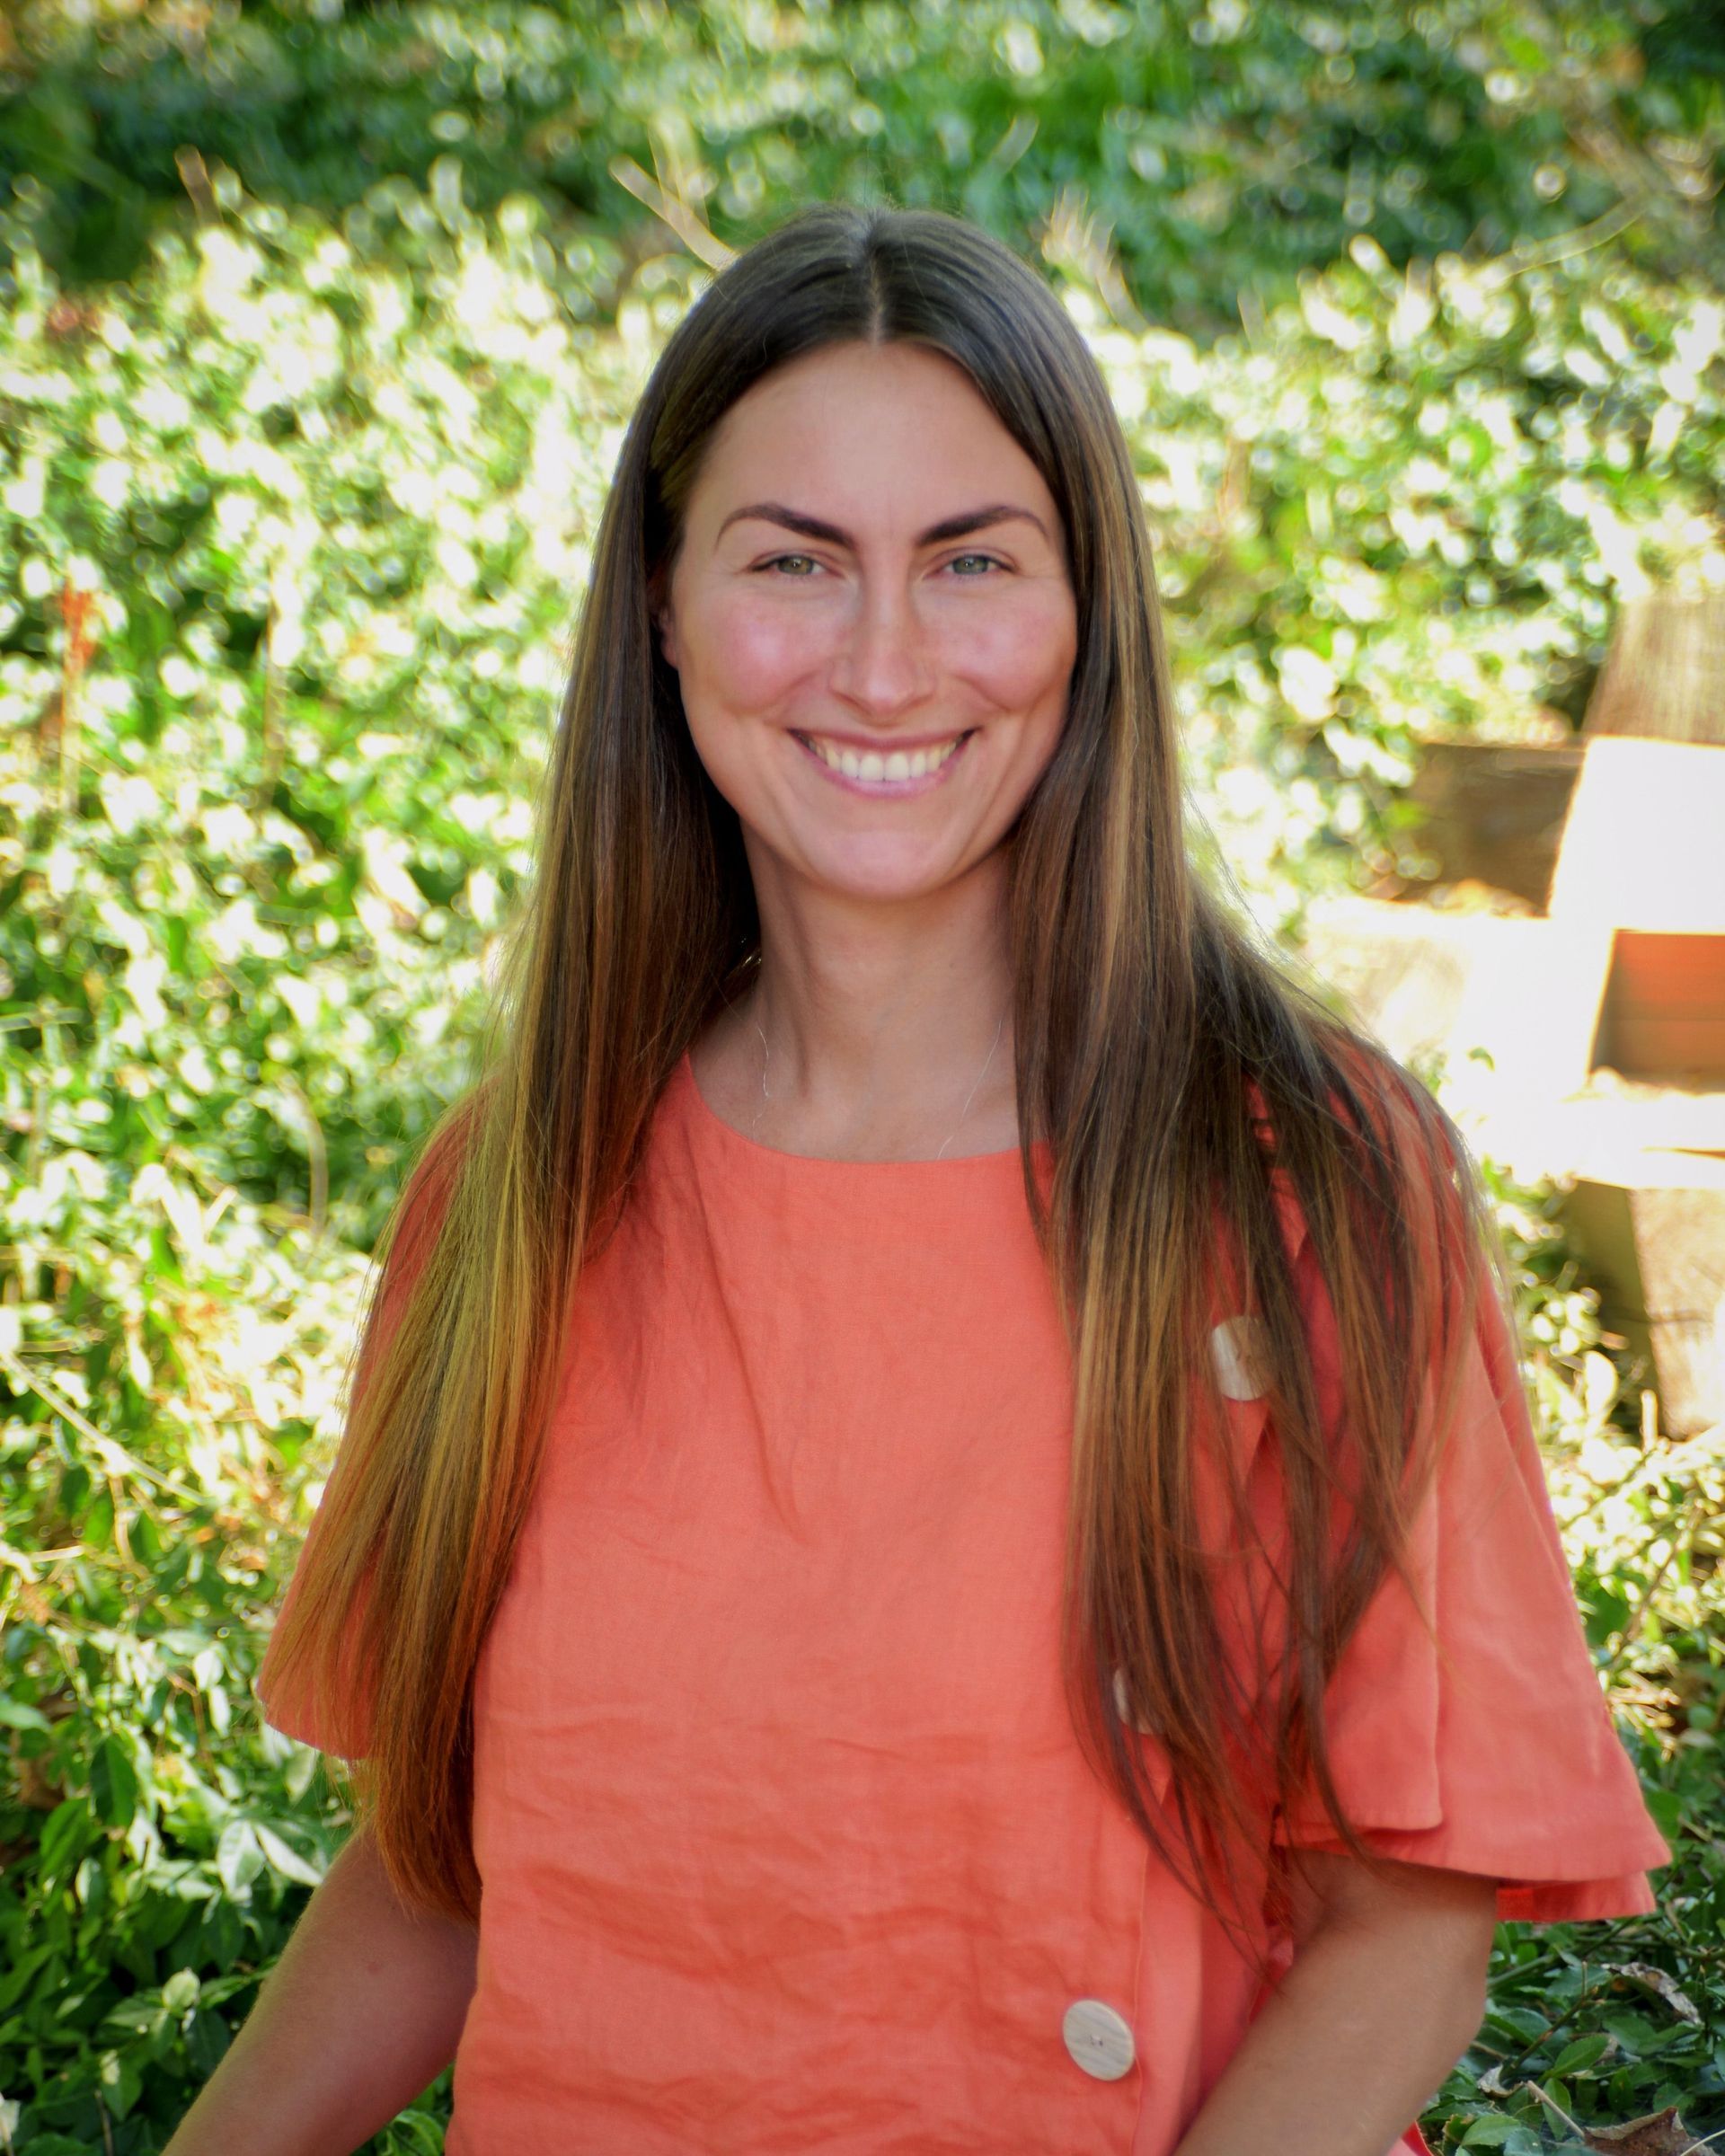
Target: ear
{"type": "Point", "coordinates": [664, 619]}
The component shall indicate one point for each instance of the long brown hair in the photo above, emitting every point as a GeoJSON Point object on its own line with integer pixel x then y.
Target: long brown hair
{"type": "Point", "coordinates": [1187, 1091]}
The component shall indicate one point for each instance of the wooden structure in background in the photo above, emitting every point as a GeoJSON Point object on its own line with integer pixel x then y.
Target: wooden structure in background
{"type": "Point", "coordinates": [1494, 812]}
{"type": "Point", "coordinates": [1658, 1251]}
{"type": "Point", "coordinates": [1663, 677]}
{"type": "Point", "coordinates": [1586, 1040]}
{"type": "Point", "coordinates": [1640, 877]}
{"type": "Point", "coordinates": [1641, 881]}
{"type": "Point", "coordinates": [1662, 1017]}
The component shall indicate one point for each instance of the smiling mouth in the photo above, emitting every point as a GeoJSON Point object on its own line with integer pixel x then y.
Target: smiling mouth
{"type": "Point", "coordinates": [885, 767]}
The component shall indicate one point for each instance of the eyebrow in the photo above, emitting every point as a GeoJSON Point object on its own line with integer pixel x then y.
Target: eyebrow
{"type": "Point", "coordinates": [817, 527]}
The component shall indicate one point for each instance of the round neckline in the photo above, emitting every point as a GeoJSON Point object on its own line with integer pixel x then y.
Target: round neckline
{"type": "Point", "coordinates": [752, 1149]}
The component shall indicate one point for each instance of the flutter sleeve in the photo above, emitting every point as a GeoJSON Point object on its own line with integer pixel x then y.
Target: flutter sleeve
{"type": "Point", "coordinates": [1482, 1741]}
{"type": "Point", "coordinates": [335, 1716]}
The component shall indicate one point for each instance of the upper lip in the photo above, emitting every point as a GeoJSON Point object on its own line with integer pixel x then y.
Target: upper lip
{"type": "Point", "coordinates": [883, 744]}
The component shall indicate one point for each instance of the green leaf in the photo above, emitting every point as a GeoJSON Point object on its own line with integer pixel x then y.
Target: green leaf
{"type": "Point", "coordinates": [16, 1980]}
{"type": "Point", "coordinates": [121, 2082]}
{"type": "Point", "coordinates": [207, 2039]}
{"type": "Point", "coordinates": [238, 1858]}
{"type": "Point", "coordinates": [69, 1832]}
{"type": "Point", "coordinates": [90, 1884]}
{"type": "Point", "coordinates": [113, 1783]}
{"type": "Point", "coordinates": [18, 1714]}
{"type": "Point", "coordinates": [181, 1991]}
{"type": "Point", "coordinates": [1577, 2058]}
{"type": "Point", "coordinates": [1527, 2024]}
{"type": "Point", "coordinates": [1667, 1808]}
{"type": "Point", "coordinates": [140, 2017]}
{"type": "Point", "coordinates": [288, 1861]}
{"type": "Point", "coordinates": [1632, 2030]}
{"type": "Point", "coordinates": [222, 1932]}
{"type": "Point", "coordinates": [1492, 2133]}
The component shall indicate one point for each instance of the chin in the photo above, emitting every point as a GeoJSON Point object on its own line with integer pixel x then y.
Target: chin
{"type": "Point", "coordinates": [885, 875]}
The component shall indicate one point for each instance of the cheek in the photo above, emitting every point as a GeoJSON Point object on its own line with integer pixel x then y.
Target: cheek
{"type": "Point", "coordinates": [1026, 665]}
{"type": "Point", "coordinates": [744, 658]}
{"type": "Point", "coordinates": [1020, 653]}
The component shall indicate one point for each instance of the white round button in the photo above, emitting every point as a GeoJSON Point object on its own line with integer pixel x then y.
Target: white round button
{"type": "Point", "coordinates": [1099, 2039]}
{"type": "Point", "coordinates": [1239, 1346]}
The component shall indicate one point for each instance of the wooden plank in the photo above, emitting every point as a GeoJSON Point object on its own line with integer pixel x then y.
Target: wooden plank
{"type": "Point", "coordinates": [1663, 1013]}
{"type": "Point", "coordinates": [1665, 673]}
{"type": "Point", "coordinates": [1494, 812]}
{"type": "Point", "coordinates": [1644, 846]}
{"type": "Point", "coordinates": [1660, 1256]}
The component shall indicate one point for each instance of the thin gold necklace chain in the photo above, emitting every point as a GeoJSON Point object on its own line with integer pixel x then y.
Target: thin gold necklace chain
{"type": "Point", "coordinates": [767, 1057]}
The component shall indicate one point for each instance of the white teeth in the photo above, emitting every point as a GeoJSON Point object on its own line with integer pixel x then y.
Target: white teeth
{"type": "Point", "coordinates": [896, 767]}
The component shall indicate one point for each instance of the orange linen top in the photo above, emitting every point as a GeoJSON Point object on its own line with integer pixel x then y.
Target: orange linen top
{"type": "Point", "coordinates": [785, 1837]}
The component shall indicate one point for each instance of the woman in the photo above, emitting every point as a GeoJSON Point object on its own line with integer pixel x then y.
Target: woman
{"type": "Point", "coordinates": [937, 1508]}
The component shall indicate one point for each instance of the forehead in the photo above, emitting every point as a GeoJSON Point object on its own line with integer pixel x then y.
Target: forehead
{"type": "Point", "coordinates": [890, 433]}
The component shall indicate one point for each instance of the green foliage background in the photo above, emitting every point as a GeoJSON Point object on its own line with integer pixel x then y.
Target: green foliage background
{"type": "Point", "coordinates": [319, 333]}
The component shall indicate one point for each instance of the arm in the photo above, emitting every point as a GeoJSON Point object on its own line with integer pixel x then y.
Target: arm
{"type": "Point", "coordinates": [362, 2012]}
{"type": "Point", "coordinates": [1386, 1990]}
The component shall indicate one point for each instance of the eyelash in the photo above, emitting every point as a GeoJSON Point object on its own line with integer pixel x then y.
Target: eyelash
{"type": "Point", "coordinates": [778, 560]}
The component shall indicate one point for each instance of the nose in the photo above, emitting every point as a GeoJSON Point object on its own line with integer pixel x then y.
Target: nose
{"type": "Point", "coordinates": [884, 666]}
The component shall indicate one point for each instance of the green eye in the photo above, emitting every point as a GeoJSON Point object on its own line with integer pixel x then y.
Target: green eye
{"type": "Point", "coordinates": [982, 561]}
{"type": "Point", "coordinates": [779, 561]}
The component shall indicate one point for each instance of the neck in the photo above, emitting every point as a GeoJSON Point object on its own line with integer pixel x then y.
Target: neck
{"type": "Point", "coordinates": [873, 1031]}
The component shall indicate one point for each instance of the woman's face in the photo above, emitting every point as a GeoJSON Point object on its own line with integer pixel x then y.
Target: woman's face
{"type": "Point", "coordinates": [872, 620]}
